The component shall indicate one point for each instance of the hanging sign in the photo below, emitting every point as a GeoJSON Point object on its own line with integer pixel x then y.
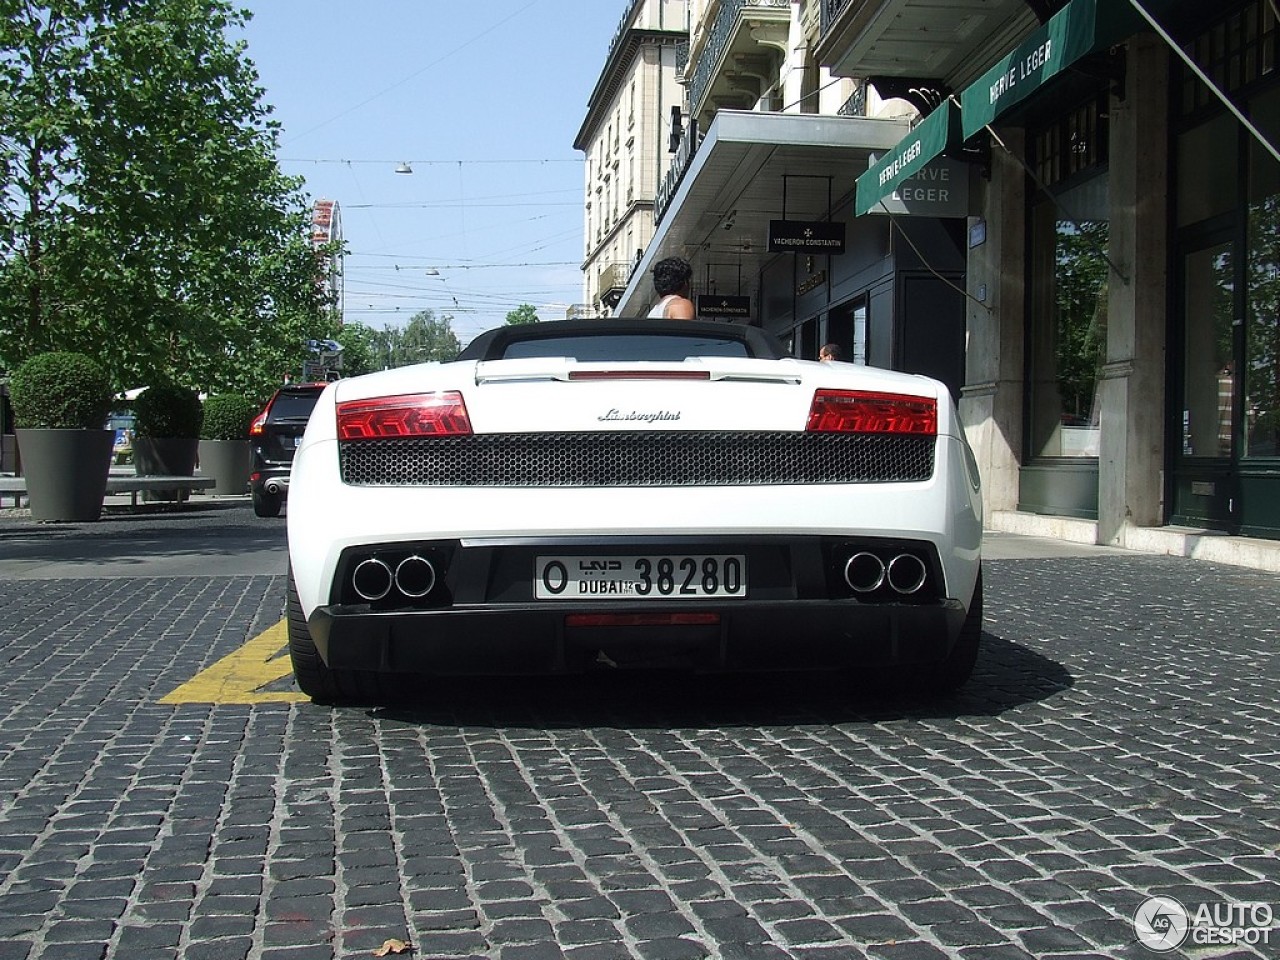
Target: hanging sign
{"type": "Point", "coordinates": [724, 308]}
{"type": "Point", "coordinates": [806, 236]}
{"type": "Point", "coordinates": [939, 189]}
{"type": "Point", "coordinates": [912, 159]}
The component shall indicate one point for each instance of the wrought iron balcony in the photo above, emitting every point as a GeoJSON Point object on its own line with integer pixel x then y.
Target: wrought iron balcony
{"type": "Point", "coordinates": [830, 12]}
{"type": "Point", "coordinates": [722, 33]}
{"type": "Point", "coordinates": [856, 105]}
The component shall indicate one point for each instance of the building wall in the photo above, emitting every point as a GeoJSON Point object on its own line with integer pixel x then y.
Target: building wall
{"type": "Point", "coordinates": [1164, 196]}
{"type": "Point", "coordinates": [626, 142]}
{"type": "Point", "coordinates": [1132, 451]}
{"type": "Point", "coordinates": [1106, 444]}
{"type": "Point", "coordinates": [991, 403]}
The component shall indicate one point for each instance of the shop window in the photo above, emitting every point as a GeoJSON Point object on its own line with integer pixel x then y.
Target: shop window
{"type": "Point", "coordinates": [1209, 171]}
{"type": "Point", "coordinates": [1076, 143]}
{"type": "Point", "coordinates": [1067, 339]}
{"type": "Point", "coordinates": [1235, 52]}
{"type": "Point", "coordinates": [1067, 322]}
{"type": "Point", "coordinates": [1261, 367]}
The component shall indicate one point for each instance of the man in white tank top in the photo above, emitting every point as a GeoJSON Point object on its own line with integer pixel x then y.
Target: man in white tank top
{"type": "Point", "coordinates": [671, 280]}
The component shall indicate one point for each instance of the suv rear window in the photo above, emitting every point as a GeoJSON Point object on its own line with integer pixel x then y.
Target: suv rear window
{"type": "Point", "coordinates": [293, 404]}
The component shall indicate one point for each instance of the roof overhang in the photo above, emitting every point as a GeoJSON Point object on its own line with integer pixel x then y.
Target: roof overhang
{"type": "Point", "coordinates": [947, 40]}
{"type": "Point", "coordinates": [745, 167]}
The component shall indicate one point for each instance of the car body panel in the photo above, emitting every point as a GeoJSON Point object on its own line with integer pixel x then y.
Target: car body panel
{"type": "Point", "coordinates": [491, 526]}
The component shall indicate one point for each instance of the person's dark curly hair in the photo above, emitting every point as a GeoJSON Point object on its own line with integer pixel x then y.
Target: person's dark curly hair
{"type": "Point", "coordinates": [670, 275]}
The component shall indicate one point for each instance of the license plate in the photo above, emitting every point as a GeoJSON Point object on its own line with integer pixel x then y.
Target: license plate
{"type": "Point", "coordinates": [668, 577]}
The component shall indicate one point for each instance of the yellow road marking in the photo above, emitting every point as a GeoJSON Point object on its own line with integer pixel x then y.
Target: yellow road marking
{"type": "Point", "coordinates": [240, 676]}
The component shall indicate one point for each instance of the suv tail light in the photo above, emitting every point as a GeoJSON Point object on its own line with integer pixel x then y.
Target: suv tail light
{"type": "Point", "coordinates": [258, 427]}
{"type": "Point", "coordinates": [862, 411]}
{"type": "Point", "coordinates": [411, 415]}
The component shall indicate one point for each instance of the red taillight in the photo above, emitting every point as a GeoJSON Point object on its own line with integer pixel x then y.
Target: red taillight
{"type": "Point", "coordinates": [861, 411]}
{"type": "Point", "coordinates": [259, 424]}
{"type": "Point", "coordinates": [412, 415]}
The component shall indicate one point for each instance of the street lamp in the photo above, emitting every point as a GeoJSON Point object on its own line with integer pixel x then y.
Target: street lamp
{"type": "Point", "coordinates": [433, 272]}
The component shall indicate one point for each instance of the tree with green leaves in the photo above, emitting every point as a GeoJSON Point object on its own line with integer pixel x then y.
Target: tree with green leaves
{"type": "Point", "coordinates": [146, 220]}
{"type": "Point", "coordinates": [360, 349]}
{"type": "Point", "coordinates": [427, 337]}
{"type": "Point", "coordinates": [525, 313]}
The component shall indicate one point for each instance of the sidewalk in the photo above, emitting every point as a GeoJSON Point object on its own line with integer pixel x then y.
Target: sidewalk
{"type": "Point", "coordinates": [1196, 544]}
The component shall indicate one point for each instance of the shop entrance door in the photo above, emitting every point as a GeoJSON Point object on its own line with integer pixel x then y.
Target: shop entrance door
{"type": "Point", "coordinates": [1204, 480]}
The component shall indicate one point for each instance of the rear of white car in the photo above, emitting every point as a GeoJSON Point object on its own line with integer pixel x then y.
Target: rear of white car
{"type": "Point", "coordinates": [545, 507]}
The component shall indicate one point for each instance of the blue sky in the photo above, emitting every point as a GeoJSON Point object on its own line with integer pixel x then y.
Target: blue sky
{"type": "Point", "coordinates": [483, 100]}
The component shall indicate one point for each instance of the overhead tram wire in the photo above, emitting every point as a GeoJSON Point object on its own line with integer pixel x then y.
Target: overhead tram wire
{"type": "Point", "coordinates": [412, 162]}
{"type": "Point", "coordinates": [465, 266]}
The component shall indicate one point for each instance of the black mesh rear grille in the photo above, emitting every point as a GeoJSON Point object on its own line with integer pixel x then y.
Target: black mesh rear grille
{"type": "Point", "coordinates": [632, 459]}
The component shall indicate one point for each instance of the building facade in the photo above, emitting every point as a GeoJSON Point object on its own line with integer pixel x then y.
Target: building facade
{"type": "Point", "coordinates": [773, 145]}
{"type": "Point", "coordinates": [1122, 317]}
{"type": "Point", "coordinates": [1062, 208]}
{"type": "Point", "coordinates": [626, 138]}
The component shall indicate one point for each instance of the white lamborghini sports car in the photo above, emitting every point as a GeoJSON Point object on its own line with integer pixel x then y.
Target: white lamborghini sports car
{"type": "Point", "coordinates": [644, 494]}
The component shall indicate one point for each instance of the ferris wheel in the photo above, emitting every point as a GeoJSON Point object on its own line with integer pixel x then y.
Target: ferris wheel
{"type": "Point", "coordinates": [326, 235]}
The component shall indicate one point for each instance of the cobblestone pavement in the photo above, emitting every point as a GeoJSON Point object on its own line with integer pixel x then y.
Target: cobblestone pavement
{"type": "Point", "coordinates": [1121, 739]}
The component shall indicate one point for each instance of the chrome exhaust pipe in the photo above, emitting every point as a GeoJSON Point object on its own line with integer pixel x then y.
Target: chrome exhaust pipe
{"type": "Point", "coordinates": [907, 573]}
{"type": "Point", "coordinates": [273, 487]}
{"type": "Point", "coordinates": [864, 572]}
{"type": "Point", "coordinates": [371, 579]}
{"type": "Point", "coordinates": [415, 576]}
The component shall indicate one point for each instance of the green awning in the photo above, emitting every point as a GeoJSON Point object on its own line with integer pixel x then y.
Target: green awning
{"type": "Point", "coordinates": [1079, 28]}
{"type": "Point", "coordinates": [931, 136]}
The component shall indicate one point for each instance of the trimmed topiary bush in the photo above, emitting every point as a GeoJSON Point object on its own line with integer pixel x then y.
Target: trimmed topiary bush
{"type": "Point", "coordinates": [168, 411]}
{"type": "Point", "coordinates": [227, 417]}
{"type": "Point", "coordinates": [60, 391]}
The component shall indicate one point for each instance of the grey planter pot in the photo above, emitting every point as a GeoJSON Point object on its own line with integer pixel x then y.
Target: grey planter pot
{"type": "Point", "coordinates": [66, 472]}
{"type": "Point", "coordinates": [227, 462]}
{"type": "Point", "coordinates": [164, 457]}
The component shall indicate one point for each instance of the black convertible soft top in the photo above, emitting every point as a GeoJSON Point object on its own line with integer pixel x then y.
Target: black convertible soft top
{"type": "Point", "coordinates": [627, 335]}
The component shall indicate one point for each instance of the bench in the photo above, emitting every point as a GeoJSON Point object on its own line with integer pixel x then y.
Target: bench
{"type": "Point", "coordinates": [179, 485]}
{"type": "Point", "coordinates": [16, 487]}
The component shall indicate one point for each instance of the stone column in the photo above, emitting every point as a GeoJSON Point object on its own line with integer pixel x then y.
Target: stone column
{"type": "Point", "coordinates": [991, 402]}
{"type": "Point", "coordinates": [1131, 454]}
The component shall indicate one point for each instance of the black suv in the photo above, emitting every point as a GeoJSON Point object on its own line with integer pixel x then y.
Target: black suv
{"type": "Point", "coordinates": [275, 434]}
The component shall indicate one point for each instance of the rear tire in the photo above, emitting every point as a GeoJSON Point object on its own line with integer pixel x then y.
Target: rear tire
{"type": "Point", "coordinates": [954, 672]}
{"type": "Point", "coordinates": [314, 678]}
{"type": "Point", "coordinates": [266, 504]}
{"type": "Point", "coordinates": [313, 675]}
